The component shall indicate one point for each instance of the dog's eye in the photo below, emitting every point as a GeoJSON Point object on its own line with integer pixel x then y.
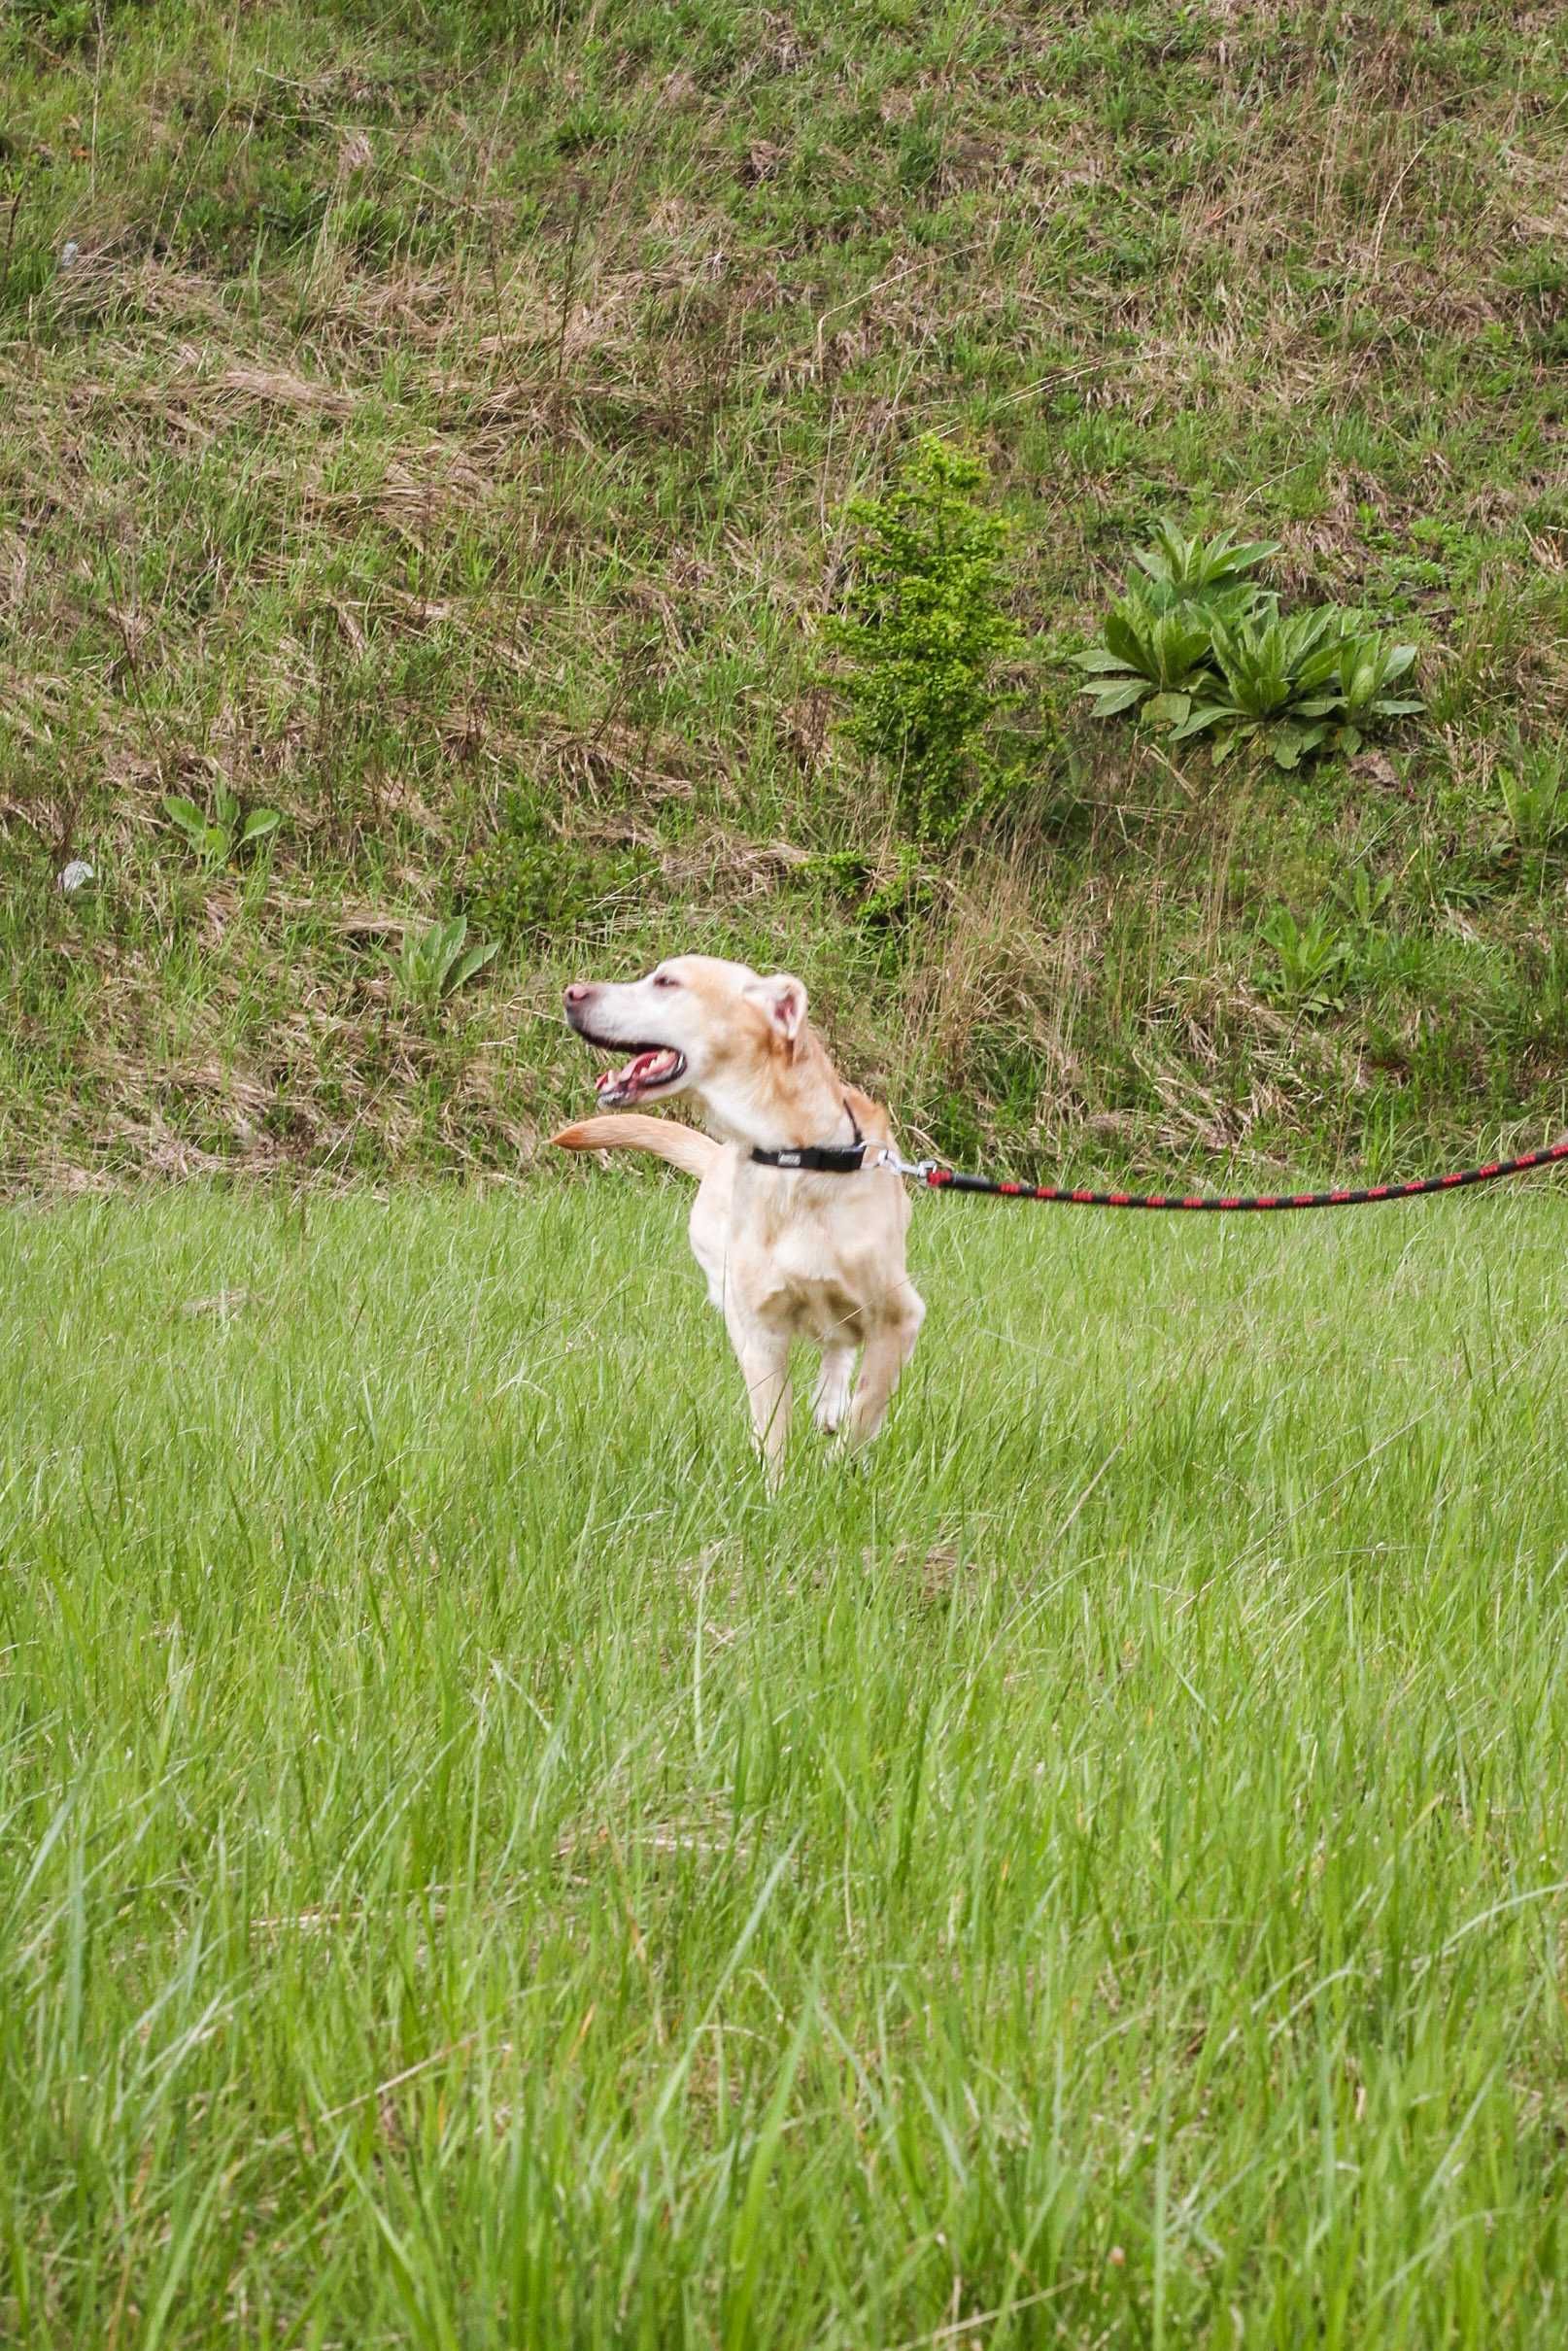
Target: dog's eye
{"type": "Point", "coordinates": [661, 980]}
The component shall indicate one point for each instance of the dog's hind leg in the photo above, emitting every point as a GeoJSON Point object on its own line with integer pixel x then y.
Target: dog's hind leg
{"type": "Point", "coordinates": [831, 1401]}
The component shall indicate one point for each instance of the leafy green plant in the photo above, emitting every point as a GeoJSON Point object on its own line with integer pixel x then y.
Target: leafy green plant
{"type": "Point", "coordinates": [1198, 646]}
{"type": "Point", "coordinates": [431, 964]}
{"type": "Point", "coordinates": [1374, 955]}
{"type": "Point", "coordinates": [218, 835]}
{"type": "Point", "coordinates": [1148, 658]}
{"type": "Point", "coordinates": [1158, 638]}
{"type": "Point", "coordinates": [1409, 961]}
{"type": "Point", "coordinates": [1184, 569]}
{"type": "Point", "coordinates": [1275, 673]}
{"type": "Point", "coordinates": [1369, 663]}
{"type": "Point", "coordinates": [1310, 963]}
{"type": "Point", "coordinates": [1270, 665]}
{"type": "Point", "coordinates": [1296, 683]}
{"type": "Point", "coordinates": [923, 635]}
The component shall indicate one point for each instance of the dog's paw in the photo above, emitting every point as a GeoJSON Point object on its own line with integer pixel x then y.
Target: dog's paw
{"type": "Point", "coordinates": [830, 1406]}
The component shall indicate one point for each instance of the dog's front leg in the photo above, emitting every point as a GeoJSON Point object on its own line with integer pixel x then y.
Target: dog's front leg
{"type": "Point", "coordinates": [764, 1364]}
{"type": "Point", "coordinates": [832, 1399]}
{"type": "Point", "coordinates": [888, 1348]}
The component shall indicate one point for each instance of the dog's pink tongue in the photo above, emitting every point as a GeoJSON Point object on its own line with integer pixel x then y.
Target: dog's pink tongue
{"type": "Point", "coordinates": [638, 1071]}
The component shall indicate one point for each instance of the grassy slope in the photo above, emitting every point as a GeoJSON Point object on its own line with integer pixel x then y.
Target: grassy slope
{"type": "Point", "coordinates": [440, 434]}
{"type": "Point", "coordinates": [475, 1872]}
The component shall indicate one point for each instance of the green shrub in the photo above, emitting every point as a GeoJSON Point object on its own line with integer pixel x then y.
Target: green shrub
{"type": "Point", "coordinates": [532, 883]}
{"type": "Point", "coordinates": [923, 636]}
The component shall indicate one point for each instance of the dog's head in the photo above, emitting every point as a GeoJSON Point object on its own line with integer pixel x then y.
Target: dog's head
{"type": "Point", "coordinates": [696, 1025]}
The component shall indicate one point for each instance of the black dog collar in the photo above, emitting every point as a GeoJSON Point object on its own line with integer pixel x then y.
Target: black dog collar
{"type": "Point", "coordinates": [814, 1159]}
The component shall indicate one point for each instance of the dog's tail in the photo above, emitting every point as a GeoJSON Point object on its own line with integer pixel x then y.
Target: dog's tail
{"type": "Point", "coordinates": [683, 1146]}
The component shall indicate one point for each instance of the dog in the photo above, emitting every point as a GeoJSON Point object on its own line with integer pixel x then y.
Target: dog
{"type": "Point", "coordinates": [789, 1254]}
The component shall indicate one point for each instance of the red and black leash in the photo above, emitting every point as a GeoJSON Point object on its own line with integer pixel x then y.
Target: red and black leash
{"type": "Point", "coordinates": [859, 1155]}
{"type": "Point", "coordinates": [950, 1180]}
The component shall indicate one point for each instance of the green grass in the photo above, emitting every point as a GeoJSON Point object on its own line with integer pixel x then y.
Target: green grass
{"type": "Point", "coordinates": [441, 432]}
{"type": "Point", "coordinates": [475, 1871]}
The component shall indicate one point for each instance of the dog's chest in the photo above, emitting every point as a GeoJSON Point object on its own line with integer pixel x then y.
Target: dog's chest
{"type": "Point", "coordinates": [800, 1269]}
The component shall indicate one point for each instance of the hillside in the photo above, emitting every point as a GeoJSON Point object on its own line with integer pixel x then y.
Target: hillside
{"type": "Point", "coordinates": [434, 424]}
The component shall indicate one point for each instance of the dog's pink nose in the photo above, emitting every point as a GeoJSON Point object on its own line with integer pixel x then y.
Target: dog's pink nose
{"type": "Point", "coordinates": [579, 992]}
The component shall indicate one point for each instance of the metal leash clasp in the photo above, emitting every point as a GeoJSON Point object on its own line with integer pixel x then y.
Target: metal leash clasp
{"type": "Point", "coordinates": [893, 1159]}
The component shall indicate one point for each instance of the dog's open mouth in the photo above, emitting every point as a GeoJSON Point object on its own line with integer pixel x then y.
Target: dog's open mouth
{"type": "Point", "coordinates": [651, 1070]}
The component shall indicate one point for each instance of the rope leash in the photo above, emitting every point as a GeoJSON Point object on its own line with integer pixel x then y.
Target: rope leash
{"type": "Point", "coordinates": [938, 1178]}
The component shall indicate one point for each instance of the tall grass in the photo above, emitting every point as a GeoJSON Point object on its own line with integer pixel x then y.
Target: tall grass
{"type": "Point", "coordinates": [475, 1871]}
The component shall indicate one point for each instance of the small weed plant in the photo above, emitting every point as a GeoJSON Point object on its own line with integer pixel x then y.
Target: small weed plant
{"type": "Point", "coordinates": [1363, 895]}
{"type": "Point", "coordinates": [1340, 950]}
{"type": "Point", "coordinates": [1309, 964]}
{"type": "Point", "coordinates": [1198, 646]}
{"type": "Point", "coordinates": [528, 883]}
{"type": "Point", "coordinates": [924, 635]}
{"type": "Point", "coordinates": [433, 964]}
{"type": "Point", "coordinates": [1369, 664]}
{"type": "Point", "coordinates": [1535, 798]}
{"type": "Point", "coordinates": [218, 835]}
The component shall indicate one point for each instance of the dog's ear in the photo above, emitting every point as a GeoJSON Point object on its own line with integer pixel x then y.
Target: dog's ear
{"type": "Point", "coordinates": [783, 1000]}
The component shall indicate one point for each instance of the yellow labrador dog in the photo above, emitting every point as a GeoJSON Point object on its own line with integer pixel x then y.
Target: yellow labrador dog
{"type": "Point", "coordinates": [790, 1252]}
